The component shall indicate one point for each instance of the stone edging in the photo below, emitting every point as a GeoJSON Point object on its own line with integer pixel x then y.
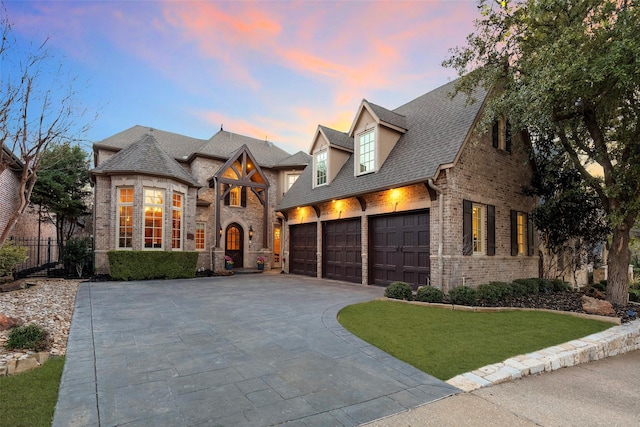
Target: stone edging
{"type": "Point", "coordinates": [611, 342]}
{"type": "Point", "coordinates": [23, 363]}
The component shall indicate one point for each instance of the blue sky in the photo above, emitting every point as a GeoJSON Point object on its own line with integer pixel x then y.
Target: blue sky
{"type": "Point", "coordinates": [266, 69]}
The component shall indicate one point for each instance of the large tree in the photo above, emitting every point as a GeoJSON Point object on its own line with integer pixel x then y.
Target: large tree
{"type": "Point", "coordinates": [569, 68]}
{"type": "Point", "coordinates": [37, 108]}
{"type": "Point", "coordinates": [62, 188]}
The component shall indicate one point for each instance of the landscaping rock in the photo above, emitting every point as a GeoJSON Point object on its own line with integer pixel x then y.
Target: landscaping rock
{"type": "Point", "coordinates": [597, 306]}
{"type": "Point", "coordinates": [9, 322]}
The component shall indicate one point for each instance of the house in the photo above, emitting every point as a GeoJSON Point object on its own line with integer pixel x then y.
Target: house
{"type": "Point", "coordinates": [415, 194]}
{"type": "Point", "coordinates": [160, 191]}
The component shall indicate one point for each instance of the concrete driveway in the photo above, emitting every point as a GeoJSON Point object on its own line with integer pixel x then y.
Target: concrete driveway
{"type": "Point", "coordinates": [245, 350]}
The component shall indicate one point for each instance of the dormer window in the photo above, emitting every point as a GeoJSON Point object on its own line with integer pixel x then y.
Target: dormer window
{"type": "Point", "coordinates": [366, 152]}
{"type": "Point", "coordinates": [320, 165]}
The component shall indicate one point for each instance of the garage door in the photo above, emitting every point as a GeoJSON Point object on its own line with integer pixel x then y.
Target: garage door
{"type": "Point", "coordinates": [399, 248]}
{"type": "Point", "coordinates": [302, 250]}
{"type": "Point", "coordinates": [341, 250]}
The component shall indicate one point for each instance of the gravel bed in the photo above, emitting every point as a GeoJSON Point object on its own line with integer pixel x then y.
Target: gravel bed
{"type": "Point", "coordinates": [49, 304]}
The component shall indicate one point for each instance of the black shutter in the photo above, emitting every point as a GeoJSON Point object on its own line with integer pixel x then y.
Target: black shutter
{"type": "Point", "coordinates": [514, 233]}
{"type": "Point", "coordinates": [491, 230]}
{"type": "Point", "coordinates": [508, 137]}
{"type": "Point", "coordinates": [530, 236]}
{"type": "Point", "coordinates": [227, 197]}
{"type": "Point", "coordinates": [495, 133]}
{"type": "Point", "coordinates": [243, 197]}
{"type": "Point", "coordinates": [467, 227]}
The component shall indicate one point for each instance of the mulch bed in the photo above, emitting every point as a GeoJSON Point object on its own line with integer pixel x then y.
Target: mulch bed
{"type": "Point", "coordinates": [566, 301]}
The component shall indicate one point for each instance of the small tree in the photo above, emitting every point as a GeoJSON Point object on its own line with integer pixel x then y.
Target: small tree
{"type": "Point", "coordinates": [76, 254]}
{"type": "Point", "coordinates": [62, 188]}
{"type": "Point", "coordinates": [37, 108]}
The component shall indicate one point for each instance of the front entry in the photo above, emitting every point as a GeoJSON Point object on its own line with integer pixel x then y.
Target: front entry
{"type": "Point", "coordinates": [234, 245]}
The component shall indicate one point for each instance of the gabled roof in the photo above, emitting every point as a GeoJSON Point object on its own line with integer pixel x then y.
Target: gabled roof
{"type": "Point", "coordinates": [337, 138]}
{"type": "Point", "coordinates": [381, 115]}
{"type": "Point", "coordinates": [223, 144]}
{"type": "Point", "coordinates": [437, 126]}
{"type": "Point", "coordinates": [10, 159]}
{"type": "Point", "coordinates": [145, 156]}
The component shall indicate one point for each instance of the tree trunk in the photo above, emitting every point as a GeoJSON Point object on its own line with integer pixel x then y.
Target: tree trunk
{"type": "Point", "coordinates": [618, 265]}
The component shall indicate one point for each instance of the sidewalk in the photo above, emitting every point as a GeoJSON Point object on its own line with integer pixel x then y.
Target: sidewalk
{"type": "Point", "coordinates": [604, 392]}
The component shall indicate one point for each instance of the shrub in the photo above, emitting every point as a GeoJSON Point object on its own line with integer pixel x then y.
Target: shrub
{"type": "Point", "coordinates": [531, 286]}
{"type": "Point", "coordinates": [560, 285]}
{"type": "Point", "coordinates": [600, 286]}
{"type": "Point", "coordinates": [76, 254]}
{"type": "Point", "coordinates": [399, 290]}
{"type": "Point", "coordinates": [494, 292]}
{"type": "Point", "coordinates": [519, 289]}
{"type": "Point", "coordinates": [462, 295]}
{"type": "Point", "coordinates": [429, 294]}
{"type": "Point", "coordinates": [146, 265]}
{"type": "Point", "coordinates": [28, 337]}
{"type": "Point", "coordinates": [10, 256]}
{"type": "Point", "coordinates": [634, 295]}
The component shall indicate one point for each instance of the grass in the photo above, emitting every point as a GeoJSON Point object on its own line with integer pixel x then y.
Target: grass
{"type": "Point", "coordinates": [29, 398]}
{"type": "Point", "coordinates": [445, 343]}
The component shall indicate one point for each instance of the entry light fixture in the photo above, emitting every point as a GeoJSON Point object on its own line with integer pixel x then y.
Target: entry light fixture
{"type": "Point", "coordinates": [250, 233]}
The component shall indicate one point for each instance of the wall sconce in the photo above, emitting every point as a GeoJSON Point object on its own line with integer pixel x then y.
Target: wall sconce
{"type": "Point", "coordinates": [250, 233]}
{"type": "Point", "coordinates": [220, 231]}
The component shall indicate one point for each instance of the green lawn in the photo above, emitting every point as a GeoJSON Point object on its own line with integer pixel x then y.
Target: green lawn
{"type": "Point", "coordinates": [29, 399]}
{"type": "Point", "coordinates": [445, 343]}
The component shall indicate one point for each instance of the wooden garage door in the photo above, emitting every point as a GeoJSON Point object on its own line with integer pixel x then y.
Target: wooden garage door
{"type": "Point", "coordinates": [302, 250]}
{"type": "Point", "coordinates": [399, 248]}
{"type": "Point", "coordinates": [341, 250]}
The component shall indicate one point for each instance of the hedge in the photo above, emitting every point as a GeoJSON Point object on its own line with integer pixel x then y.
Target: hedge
{"type": "Point", "coordinates": [146, 265]}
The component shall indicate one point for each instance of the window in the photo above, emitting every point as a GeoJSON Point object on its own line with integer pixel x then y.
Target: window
{"type": "Point", "coordinates": [176, 221]}
{"type": "Point", "coordinates": [321, 167]}
{"type": "Point", "coordinates": [200, 235]}
{"type": "Point", "coordinates": [290, 179]}
{"type": "Point", "coordinates": [233, 239]}
{"type": "Point", "coordinates": [234, 196]}
{"type": "Point", "coordinates": [501, 135]}
{"type": "Point", "coordinates": [366, 152]}
{"type": "Point", "coordinates": [153, 209]}
{"type": "Point", "coordinates": [520, 232]}
{"type": "Point", "coordinates": [125, 217]}
{"type": "Point", "coordinates": [522, 237]}
{"type": "Point", "coordinates": [476, 227]}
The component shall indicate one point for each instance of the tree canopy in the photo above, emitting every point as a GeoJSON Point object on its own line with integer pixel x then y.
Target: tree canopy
{"type": "Point", "coordinates": [568, 69]}
{"type": "Point", "coordinates": [62, 188]}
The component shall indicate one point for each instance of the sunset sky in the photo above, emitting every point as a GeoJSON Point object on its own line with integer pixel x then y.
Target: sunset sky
{"type": "Point", "coordinates": [266, 69]}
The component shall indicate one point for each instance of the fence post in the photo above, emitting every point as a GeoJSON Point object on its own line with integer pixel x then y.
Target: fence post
{"type": "Point", "coordinates": [48, 256]}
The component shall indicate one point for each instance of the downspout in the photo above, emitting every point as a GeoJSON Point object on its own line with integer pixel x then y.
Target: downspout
{"type": "Point", "coordinates": [438, 191]}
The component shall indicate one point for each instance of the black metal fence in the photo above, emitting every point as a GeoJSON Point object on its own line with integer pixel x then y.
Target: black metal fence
{"type": "Point", "coordinates": [43, 257]}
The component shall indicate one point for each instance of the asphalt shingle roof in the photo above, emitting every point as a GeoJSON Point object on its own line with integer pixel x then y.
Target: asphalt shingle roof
{"type": "Point", "coordinates": [145, 156]}
{"type": "Point", "coordinates": [299, 159]}
{"type": "Point", "coordinates": [223, 144]}
{"type": "Point", "coordinates": [388, 116]}
{"type": "Point", "coordinates": [341, 139]}
{"type": "Point", "coordinates": [176, 145]}
{"type": "Point", "coordinates": [437, 126]}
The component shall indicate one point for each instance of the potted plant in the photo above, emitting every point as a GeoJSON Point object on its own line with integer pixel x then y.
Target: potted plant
{"type": "Point", "coordinates": [260, 263]}
{"type": "Point", "coordinates": [228, 262]}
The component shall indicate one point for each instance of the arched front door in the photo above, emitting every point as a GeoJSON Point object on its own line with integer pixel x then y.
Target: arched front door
{"type": "Point", "coordinates": [234, 239]}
